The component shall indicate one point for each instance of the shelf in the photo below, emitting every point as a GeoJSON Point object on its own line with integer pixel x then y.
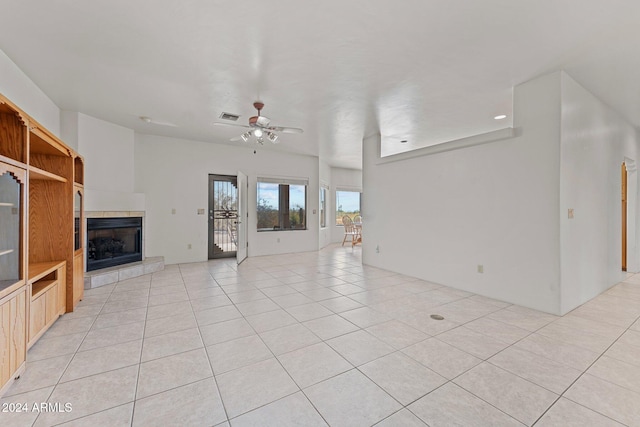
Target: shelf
{"type": "Point", "coordinates": [42, 142]}
{"type": "Point", "coordinates": [38, 271]}
{"type": "Point", "coordinates": [37, 173]}
{"type": "Point", "coordinates": [6, 252]}
{"type": "Point", "coordinates": [39, 288]}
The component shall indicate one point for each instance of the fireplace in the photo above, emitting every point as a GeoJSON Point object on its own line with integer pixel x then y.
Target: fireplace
{"type": "Point", "coordinates": [113, 241]}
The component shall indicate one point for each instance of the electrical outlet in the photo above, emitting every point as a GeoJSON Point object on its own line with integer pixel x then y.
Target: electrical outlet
{"type": "Point", "coordinates": [189, 246]}
{"type": "Point", "coordinates": [173, 211]}
{"type": "Point", "coordinates": [377, 249]}
{"type": "Point", "coordinates": [200, 211]}
{"type": "Point", "coordinates": [480, 268]}
{"type": "Point", "coordinates": [278, 240]}
{"type": "Point", "coordinates": [570, 214]}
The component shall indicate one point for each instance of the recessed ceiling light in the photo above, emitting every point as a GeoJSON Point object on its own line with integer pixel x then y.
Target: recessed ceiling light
{"type": "Point", "coordinates": [500, 117]}
{"type": "Point", "coordinates": [404, 141]}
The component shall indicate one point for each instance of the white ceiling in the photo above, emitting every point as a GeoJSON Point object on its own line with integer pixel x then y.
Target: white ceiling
{"type": "Point", "coordinates": [423, 70]}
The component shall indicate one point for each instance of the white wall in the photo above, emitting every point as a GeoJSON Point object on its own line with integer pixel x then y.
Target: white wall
{"type": "Point", "coordinates": [20, 90]}
{"type": "Point", "coordinates": [438, 217]}
{"type": "Point", "coordinates": [173, 174]}
{"type": "Point", "coordinates": [69, 128]}
{"type": "Point", "coordinates": [595, 142]}
{"type": "Point", "coordinates": [343, 179]}
{"type": "Point", "coordinates": [108, 151]}
{"type": "Point", "coordinates": [325, 180]}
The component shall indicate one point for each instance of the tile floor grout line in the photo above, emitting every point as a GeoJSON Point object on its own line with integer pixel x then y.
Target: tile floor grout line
{"type": "Point", "coordinates": [583, 373]}
{"type": "Point", "coordinates": [300, 389]}
{"type": "Point", "coordinates": [283, 368]}
{"type": "Point", "coordinates": [375, 278]}
{"type": "Point", "coordinates": [452, 380]}
{"type": "Point", "coordinates": [213, 374]}
{"type": "Point", "coordinates": [144, 327]}
{"type": "Point", "coordinates": [72, 357]}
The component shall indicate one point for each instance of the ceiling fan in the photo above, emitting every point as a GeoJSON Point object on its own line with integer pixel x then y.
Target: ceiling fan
{"type": "Point", "coordinates": [260, 128]}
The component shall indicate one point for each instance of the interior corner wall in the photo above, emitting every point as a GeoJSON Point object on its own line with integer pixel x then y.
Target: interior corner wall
{"type": "Point", "coordinates": [173, 174]}
{"type": "Point", "coordinates": [69, 128]}
{"type": "Point", "coordinates": [439, 217]}
{"type": "Point", "coordinates": [19, 89]}
{"type": "Point", "coordinates": [342, 179]}
{"type": "Point", "coordinates": [595, 142]}
{"type": "Point", "coordinates": [108, 151]}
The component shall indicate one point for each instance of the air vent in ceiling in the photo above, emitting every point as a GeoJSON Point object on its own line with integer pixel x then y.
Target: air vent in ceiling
{"type": "Point", "coordinates": [229, 116]}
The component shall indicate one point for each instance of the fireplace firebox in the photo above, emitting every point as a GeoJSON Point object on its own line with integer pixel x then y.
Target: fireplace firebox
{"type": "Point", "coordinates": [113, 241]}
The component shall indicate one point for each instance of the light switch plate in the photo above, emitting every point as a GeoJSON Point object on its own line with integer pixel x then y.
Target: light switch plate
{"type": "Point", "coordinates": [570, 213]}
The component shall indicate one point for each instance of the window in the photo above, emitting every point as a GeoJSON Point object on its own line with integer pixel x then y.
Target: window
{"type": "Point", "coordinates": [348, 203]}
{"type": "Point", "coordinates": [281, 205]}
{"type": "Point", "coordinates": [323, 207]}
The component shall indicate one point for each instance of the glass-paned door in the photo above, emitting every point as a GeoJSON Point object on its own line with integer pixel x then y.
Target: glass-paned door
{"type": "Point", "coordinates": [11, 225]}
{"type": "Point", "coordinates": [223, 216]}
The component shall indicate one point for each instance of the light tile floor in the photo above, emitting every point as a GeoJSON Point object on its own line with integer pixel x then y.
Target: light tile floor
{"type": "Point", "coordinates": [318, 338]}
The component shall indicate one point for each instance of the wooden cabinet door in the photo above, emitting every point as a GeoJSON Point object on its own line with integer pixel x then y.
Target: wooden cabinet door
{"type": "Point", "coordinates": [62, 291]}
{"type": "Point", "coordinates": [13, 348]}
{"type": "Point", "coordinates": [51, 304]}
{"type": "Point", "coordinates": [18, 330]}
{"type": "Point", "coordinates": [78, 278]}
{"type": "Point", "coordinates": [38, 316]}
{"type": "Point", "coordinates": [5, 343]}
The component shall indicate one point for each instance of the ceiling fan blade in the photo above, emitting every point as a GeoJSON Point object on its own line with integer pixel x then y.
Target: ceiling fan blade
{"type": "Point", "coordinates": [285, 129]}
{"type": "Point", "coordinates": [236, 138]}
{"type": "Point", "coordinates": [230, 124]}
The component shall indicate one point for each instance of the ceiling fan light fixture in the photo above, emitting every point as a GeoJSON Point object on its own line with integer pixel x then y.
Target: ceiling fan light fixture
{"type": "Point", "coordinates": [272, 137]}
{"type": "Point", "coordinates": [245, 136]}
{"type": "Point", "coordinates": [260, 140]}
{"type": "Point", "coordinates": [258, 133]}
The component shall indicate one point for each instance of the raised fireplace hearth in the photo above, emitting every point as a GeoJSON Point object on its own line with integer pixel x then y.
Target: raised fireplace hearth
{"type": "Point", "coordinates": [113, 241]}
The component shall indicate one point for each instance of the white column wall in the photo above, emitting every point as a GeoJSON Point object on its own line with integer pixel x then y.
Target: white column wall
{"type": "Point", "coordinates": [595, 142]}
{"type": "Point", "coordinates": [325, 180]}
{"type": "Point", "coordinates": [173, 174]}
{"type": "Point", "coordinates": [108, 151]}
{"type": "Point", "coordinates": [438, 217]}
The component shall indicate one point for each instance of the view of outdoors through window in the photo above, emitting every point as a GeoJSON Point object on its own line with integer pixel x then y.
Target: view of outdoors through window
{"type": "Point", "coordinates": [281, 206]}
{"type": "Point", "coordinates": [348, 203]}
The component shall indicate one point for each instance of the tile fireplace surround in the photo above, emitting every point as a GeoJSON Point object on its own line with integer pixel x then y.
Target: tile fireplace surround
{"type": "Point", "coordinates": [107, 276]}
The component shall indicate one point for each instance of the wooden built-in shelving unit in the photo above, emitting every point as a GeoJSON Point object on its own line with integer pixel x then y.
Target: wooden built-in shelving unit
{"type": "Point", "coordinates": [42, 245]}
